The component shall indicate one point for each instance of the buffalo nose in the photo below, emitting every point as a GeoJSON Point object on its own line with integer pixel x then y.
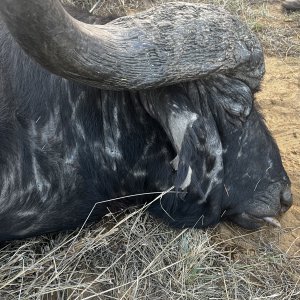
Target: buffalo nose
{"type": "Point", "coordinates": [286, 198]}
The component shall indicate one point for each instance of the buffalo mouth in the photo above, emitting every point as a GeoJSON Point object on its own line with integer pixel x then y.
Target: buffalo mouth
{"type": "Point", "coordinates": [265, 220]}
{"type": "Point", "coordinates": [254, 220]}
{"type": "Point", "coordinates": [265, 207]}
{"type": "Point", "coordinates": [250, 221]}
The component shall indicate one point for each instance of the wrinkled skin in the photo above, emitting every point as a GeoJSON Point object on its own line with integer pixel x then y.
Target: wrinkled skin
{"type": "Point", "coordinates": [255, 182]}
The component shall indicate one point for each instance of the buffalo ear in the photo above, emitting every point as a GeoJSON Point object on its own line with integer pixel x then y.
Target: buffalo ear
{"type": "Point", "coordinates": [191, 129]}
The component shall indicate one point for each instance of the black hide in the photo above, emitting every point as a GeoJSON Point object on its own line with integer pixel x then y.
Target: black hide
{"type": "Point", "coordinates": [66, 146]}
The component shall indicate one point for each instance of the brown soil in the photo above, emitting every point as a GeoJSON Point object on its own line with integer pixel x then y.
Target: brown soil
{"type": "Point", "coordinates": [280, 103]}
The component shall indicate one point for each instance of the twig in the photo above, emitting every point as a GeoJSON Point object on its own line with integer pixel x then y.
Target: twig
{"type": "Point", "coordinates": [94, 7]}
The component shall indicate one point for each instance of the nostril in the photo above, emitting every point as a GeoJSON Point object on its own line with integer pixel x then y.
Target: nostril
{"type": "Point", "coordinates": [286, 199]}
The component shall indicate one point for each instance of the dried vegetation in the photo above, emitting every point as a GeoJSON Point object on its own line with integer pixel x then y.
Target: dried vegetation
{"type": "Point", "coordinates": [131, 256]}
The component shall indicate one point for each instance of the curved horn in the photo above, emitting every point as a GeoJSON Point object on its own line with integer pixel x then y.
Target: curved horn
{"type": "Point", "coordinates": [166, 45]}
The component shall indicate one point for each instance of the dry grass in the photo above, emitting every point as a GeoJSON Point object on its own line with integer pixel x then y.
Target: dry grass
{"type": "Point", "coordinates": [132, 256]}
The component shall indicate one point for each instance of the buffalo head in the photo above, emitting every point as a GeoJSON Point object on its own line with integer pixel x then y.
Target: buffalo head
{"type": "Point", "coordinates": [256, 186]}
{"type": "Point", "coordinates": [191, 71]}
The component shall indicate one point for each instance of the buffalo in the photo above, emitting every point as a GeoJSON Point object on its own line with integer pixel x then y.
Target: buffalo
{"type": "Point", "coordinates": [139, 105]}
